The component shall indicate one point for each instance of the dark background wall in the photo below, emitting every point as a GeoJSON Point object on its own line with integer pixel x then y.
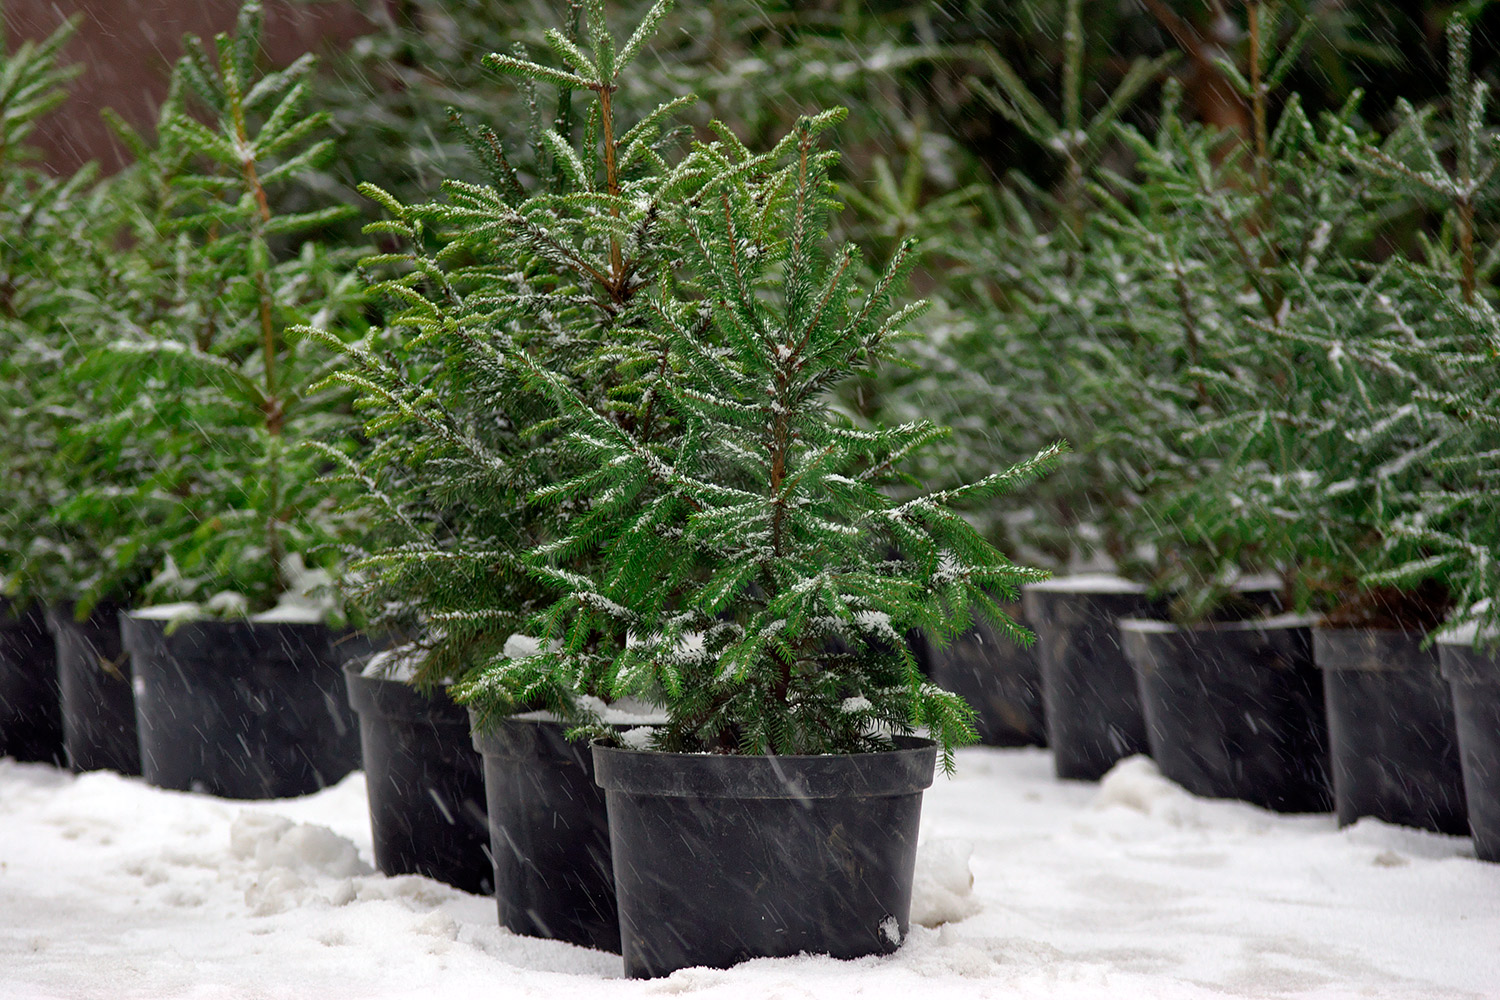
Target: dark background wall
{"type": "Point", "coordinates": [127, 48]}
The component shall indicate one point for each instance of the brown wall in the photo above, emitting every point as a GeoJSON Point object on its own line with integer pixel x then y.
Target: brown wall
{"type": "Point", "coordinates": [128, 47]}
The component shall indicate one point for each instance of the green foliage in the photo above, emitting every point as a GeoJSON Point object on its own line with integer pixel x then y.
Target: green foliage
{"type": "Point", "coordinates": [760, 573]}
{"type": "Point", "coordinates": [1213, 392]}
{"type": "Point", "coordinates": [42, 219]}
{"type": "Point", "coordinates": [546, 264]}
{"type": "Point", "coordinates": [1004, 366]}
{"type": "Point", "coordinates": [605, 416]}
{"type": "Point", "coordinates": [754, 65]}
{"type": "Point", "coordinates": [1442, 529]}
{"type": "Point", "coordinates": [1079, 141]}
{"type": "Point", "coordinates": [214, 395]}
{"type": "Point", "coordinates": [1295, 428]}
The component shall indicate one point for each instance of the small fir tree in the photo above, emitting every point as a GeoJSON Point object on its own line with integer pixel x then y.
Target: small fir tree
{"type": "Point", "coordinates": [43, 222]}
{"type": "Point", "coordinates": [214, 387]}
{"type": "Point", "coordinates": [549, 260]}
{"type": "Point", "coordinates": [1229, 246]}
{"type": "Point", "coordinates": [556, 344]}
{"type": "Point", "coordinates": [754, 575]}
{"type": "Point", "coordinates": [1440, 537]}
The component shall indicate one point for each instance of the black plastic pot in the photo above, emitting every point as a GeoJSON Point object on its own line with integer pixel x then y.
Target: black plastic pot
{"type": "Point", "coordinates": [1093, 707]}
{"type": "Point", "coordinates": [1235, 710]}
{"type": "Point", "coordinates": [425, 783]}
{"type": "Point", "coordinates": [30, 716]}
{"type": "Point", "coordinates": [998, 677]}
{"type": "Point", "coordinates": [722, 858]}
{"type": "Point", "coordinates": [1392, 743]}
{"type": "Point", "coordinates": [549, 835]}
{"type": "Point", "coordinates": [98, 704]}
{"type": "Point", "coordinates": [1474, 677]}
{"type": "Point", "coordinates": [246, 710]}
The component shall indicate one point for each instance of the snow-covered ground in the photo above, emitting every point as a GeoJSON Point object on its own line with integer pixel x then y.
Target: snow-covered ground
{"type": "Point", "coordinates": [1130, 888]}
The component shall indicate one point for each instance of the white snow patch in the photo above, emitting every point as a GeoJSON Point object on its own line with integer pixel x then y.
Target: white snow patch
{"type": "Point", "coordinates": [621, 712]}
{"type": "Point", "coordinates": [1286, 620]}
{"type": "Point", "coordinates": [398, 664]}
{"type": "Point", "coordinates": [181, 611]}
{"type": "Point", "coordinates": [518, 647]}
{"type": "Point", "coordinates": [1130, 890]}
{"type": "Point", "coordinates": [638, 738]}
{"type": "Point", "coordinates": [1137, 783]}
{"type": "Point", "coordinates": [291, 613]}
{"type": "Point", "coordinates": [1257, 581]}
{"type": "Point", "coordinates": [1467, 630]}
{"type": "Point", "coordinates": [274, 842]}
{"type": "Point", "coordinates": [309, 599]}
{"type": "Point", "coordinates": [943, 890]}
{"type": "Point", "coordinates": [625, 711]}
{"type": "Point", "coordinates": [228, 604]}
{"type": "Point", "coordinates": [1097, 583]}
{"type": "Point", "coordinates": [1145, 625]}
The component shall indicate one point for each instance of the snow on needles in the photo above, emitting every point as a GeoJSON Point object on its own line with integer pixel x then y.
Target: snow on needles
{"type": "Point", "coordinates": [1025, 887]}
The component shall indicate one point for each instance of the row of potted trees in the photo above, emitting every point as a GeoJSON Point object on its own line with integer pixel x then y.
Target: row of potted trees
{"type": "Point", "coordinates": [597, 411]}
{"type": "Point", "coordinates": [576, 450]}
{"type": "Point", "coordinates": [1274, 355]}
{"type": "Point", "coordinates": [615, 405]}
{"type": "Point", "coordinates": [160, 455]}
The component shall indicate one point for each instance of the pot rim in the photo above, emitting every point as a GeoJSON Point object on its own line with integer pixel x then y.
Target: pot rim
{"type": "Point", "coordinates": [1156, 625]}
{"type": "Point", "coordinates": [905, 769]}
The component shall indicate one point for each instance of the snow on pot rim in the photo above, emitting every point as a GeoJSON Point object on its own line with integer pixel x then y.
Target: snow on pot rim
{"type": "Point", "coordinates": [397, 665]}
{"type": "Point", "coordinates": [179, 611]}
{"type": "Point", "coordinates": [621, 712]}
{"type": "Point", "coordinates": [1110, 583]}
{"type": "Point", "coordinates": [395, 697]}
{"type": "Point", "coordinates": [243, 709]}
{"type": "Point", "coordinates": [1087, 583]}
{"type": "Point", "coordinates": [193, 611]}
{"type": "Point", "coordinates": [1288, 620]}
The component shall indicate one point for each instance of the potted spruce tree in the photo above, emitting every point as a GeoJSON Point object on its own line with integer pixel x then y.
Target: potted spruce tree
{"type": "Point", "coordinates": [1328, 450]}
{"type": "Point", "coordinates": [1237, 239]}
{"type": "Point", "coordinates": [726, 548]}
{"type": "Point", "coordinates": [1454, 535]}
{"type": "Point", "coordinates": [1457, 532]}
{"type": "Point", "coordinates": [1442, 539]}
{"type": "Point", "coordinates": [86, 560]}
{"type": "Point", "coordinates": [1003, 355]}
{"type": "Point", "coordinates": [1334, 463]}
{"type": "Point", "coordinates": [1022, 292]}
{"type": "Point", "coordinates": [45, 220]}
{"type": "Point", "coordinates": [549, 259]}
{"type": "Point", "coordinates": [1395, 750]}
{"type": "Point", "coordinates": [83, 555]}
{"type": "Point", "coordinates": [238, 690]}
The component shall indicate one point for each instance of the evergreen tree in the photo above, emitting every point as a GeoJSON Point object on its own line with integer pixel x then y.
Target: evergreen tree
{"type": "Point", "coordinates": [213, 388]}
{"type": "Point", "coordinates": [1441, 534]}
{"type": "Point", "coordinates": [754, 575]}
{"type": "Point", "coordinates": [1313, 447]}
{"type": "Point", "coordinates": [573, 438]}
{"type": "Point", "coordinates": [42, 220]}
{"type": "Point", "coordinates": [1231, 248]}
{"type": "Point", "coordinates": [1034, 275]}
{"type": "Point", "coordinates": [550, 259]}
{"type": "Point", "coordinates": [754, 64]}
